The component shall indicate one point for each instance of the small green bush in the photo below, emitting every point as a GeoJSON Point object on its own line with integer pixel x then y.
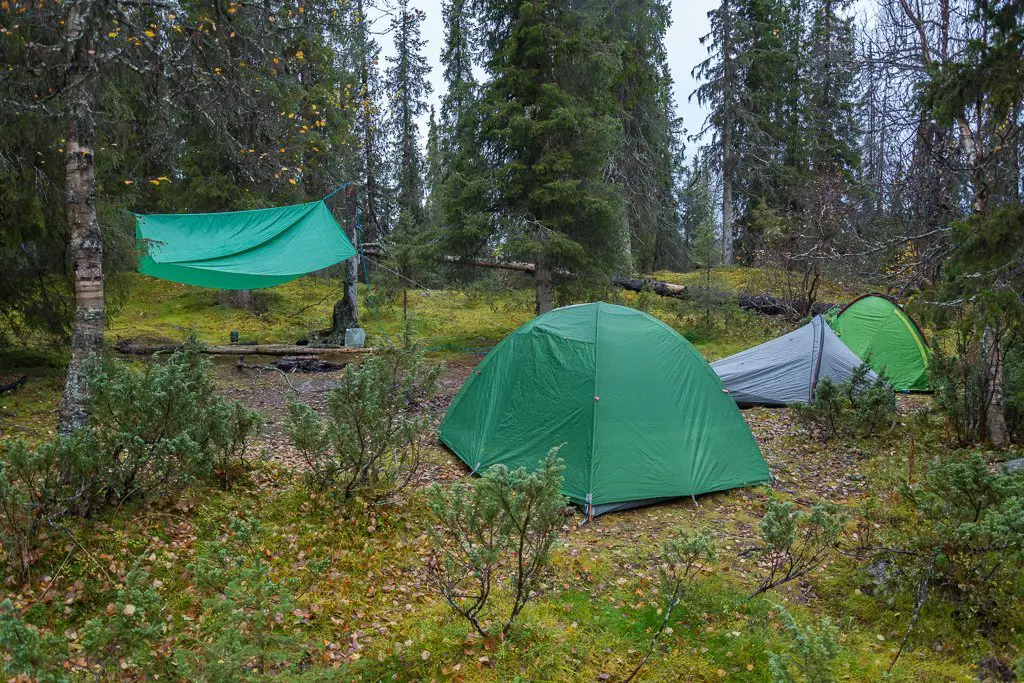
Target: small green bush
{"type": "Point", "coordinates": [151, 432]}
{"type": "Point", "coordinates": [248, 628]}
{"type": "Point", "coordinates": [857, 406]}
{"type": "Point", "coordinates": [162, 427]}
{"type": "Point", "coordinates": [811, 655]}
{"type": "Point", "coordinates": [796, 542]}
{"type": "Point", "coordinates": [496, 533]}
{"type": "Point", "coordinates": [682, 559]}
{"type": "Point", "coordinates": [27, 654]}
{"type": "Point", "coordinates": [39, 487]}
{"type": "Point", "coordinates": [369, 443]}
{"type": "Point", "coordinates": [123, 634]}
{"type": "Point", "coordinates": [968, 538]}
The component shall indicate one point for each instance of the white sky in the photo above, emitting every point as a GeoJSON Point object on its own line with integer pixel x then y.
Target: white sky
{"type": "Point", "coordinates": [689, 23]}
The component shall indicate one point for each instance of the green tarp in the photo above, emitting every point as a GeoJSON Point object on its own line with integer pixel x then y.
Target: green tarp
{"type": "Point", "coordinates": [241, 249]}
{"type": "Point", "coordinates": [641, 414]}
{"type": "Point", "coordinates": [886, 338]}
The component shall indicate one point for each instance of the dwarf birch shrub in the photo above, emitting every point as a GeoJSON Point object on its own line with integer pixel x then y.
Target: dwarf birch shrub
{"type": "Point", "coordinates": [495, 535]}
{"type": "Point", "coordinates": [368, 445]}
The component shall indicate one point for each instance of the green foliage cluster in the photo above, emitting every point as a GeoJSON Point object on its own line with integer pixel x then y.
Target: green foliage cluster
{"type": "Point", "coordinates": [248, 628]}
{"type": "Point", "coordinates": [796, 542]}
{"type": "Point", "coordinates": [121, 637]}
{"type": "Point", "coordinates": [858, 405]}
{"type": "Point", "coordinates": [812, 651]}
{"type": "Point", "coordinates": [682, 558]}
{"type": "Point", "coordinates": [27, 652]}
{"type": "Point", "coordinates": [495, 534]}
{"type": "Point", "coordinates": [152, 432]}
{"type": "Point", "coordinates": [369, 443]}
{"type": "Point", "coordinates": [967, 539]}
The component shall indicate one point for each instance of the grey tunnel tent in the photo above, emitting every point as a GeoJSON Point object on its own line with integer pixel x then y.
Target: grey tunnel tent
{"type": "Point", "coordinates": [787, 369]}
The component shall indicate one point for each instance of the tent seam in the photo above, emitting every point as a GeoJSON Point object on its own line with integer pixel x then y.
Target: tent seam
{"type": "Point", "coordinates": [593, 407]}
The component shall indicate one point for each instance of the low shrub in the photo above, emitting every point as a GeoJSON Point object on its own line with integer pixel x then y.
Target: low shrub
{"type": "Point", "coordinates": [859, 405]}
{"type": "Point", "coordinates": [967, 540]}
{"type": "Point", "coordinates": [368, 445]}
{"type": "Point", "coordinates": [162, 427]}
{"type": "Point", "coordinates": [796, 542]}
{"type": "Point", "coordinates": [39, 486]}
{"type": "Point", "coordinates": [122, 635]}
{"type": "Point", "coordinates": [811, 655]}
{"type": "Point", "coordinates": [247, 629]}
{"type": "Point", "coordinates": [28, 654]}
{"type": "Point", "coordinates": [152, 431]}
{"type": "Point", "coordinates": [682, 559]}
{"type": "Point", "coordinates": [495, 534]}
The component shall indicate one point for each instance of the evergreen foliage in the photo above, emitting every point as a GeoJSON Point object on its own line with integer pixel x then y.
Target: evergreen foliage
{"type": "Point", "coordinates": [153, 432]}
{"type": "Point", "coordinates": [495, 535]}
{"type": "Point", "coordinates": [796, 542]}
{"type": "Point", "coordinates": [812, 652]}
{"type": "Point", "coordinates": [369, 443]}
{"type": "Point", "coordinates": [859, 405]}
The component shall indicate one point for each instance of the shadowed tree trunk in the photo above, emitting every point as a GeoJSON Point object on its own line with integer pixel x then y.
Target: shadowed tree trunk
{"type": "Point", "coordinates": [995, 419]}
{"type": "Point", "coordinates": [346, 309]}
{"type": "Point", "coordinates": [542, 283]}
{"type": "Point", "coordinates": [80, 207]}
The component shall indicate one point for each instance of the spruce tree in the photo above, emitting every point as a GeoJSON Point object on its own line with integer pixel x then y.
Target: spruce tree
{"type": "Point", "coordinates": [461, 202]}
{"type": "Point", "coordinates": [642, 166]}
{"type": "Point", "coordinates": [407, 87]}
{"type": "Point", "coordinates": [549, 123]}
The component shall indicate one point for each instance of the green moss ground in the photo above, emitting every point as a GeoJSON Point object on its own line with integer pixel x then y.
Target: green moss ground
{"type": "Point", "coordinates": [370, 615]}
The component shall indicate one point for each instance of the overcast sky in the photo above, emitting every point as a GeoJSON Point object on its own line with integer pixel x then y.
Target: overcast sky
{"type": "Point", "coordinates": [689, 23]}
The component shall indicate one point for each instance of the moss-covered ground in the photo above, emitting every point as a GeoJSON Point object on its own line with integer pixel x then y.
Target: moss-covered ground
{"type": "Point", "coordinates": [363, 607]}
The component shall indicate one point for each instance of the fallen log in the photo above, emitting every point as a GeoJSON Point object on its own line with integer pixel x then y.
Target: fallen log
{"type": "Point", "coordinates": [766, 304]}
{"type": "Point", "coordinates": [131, 348]}
{"type": "Point", "coordinates": [13, 385]}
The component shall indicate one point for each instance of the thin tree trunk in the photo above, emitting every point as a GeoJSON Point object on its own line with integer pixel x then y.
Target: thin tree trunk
{"type": "Point", "coordinates": [542, 283]}
{"type": "Point", "coordinates": [998, 433]}
{"type": "Point", "coordinates": [80, 208]}
{"type": "Point", "coordinates": [727, 163]}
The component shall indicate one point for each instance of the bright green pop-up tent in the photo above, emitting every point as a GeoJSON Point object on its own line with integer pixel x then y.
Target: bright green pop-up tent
{"type": "Point", "coordinates": [241, 249]}
{"type": "Point", "coordinates": [881, 334]}
{"type": "Point", "coordinates": [641, 414]}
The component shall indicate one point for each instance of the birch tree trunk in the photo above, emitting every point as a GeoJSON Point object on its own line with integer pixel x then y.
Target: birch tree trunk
{"type": "Point", "coordinates": [80, 208]}
{"type": "Point", "coordinates": [995, 417]}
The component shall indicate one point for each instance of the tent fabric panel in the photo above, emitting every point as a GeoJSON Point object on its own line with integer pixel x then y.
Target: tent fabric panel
{"type": "Point", "coordinates": [663, 424]}
{"type": "Point", "coordinates": [199, 236]}
{"type": "Point", "coordinates": [775, 373]}
{"type": "Point", "coordinates": [517, 405]}
{"type": "Point", "coordinates": [837, 361]}
{"type": "Point", "coordinates": [201, 277]}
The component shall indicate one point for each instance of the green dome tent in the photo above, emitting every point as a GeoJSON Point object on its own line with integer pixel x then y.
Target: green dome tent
{"type": "Point", "coordinates": [641, 414]}
{"type": "Point", "coordinates": [882, 335]}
